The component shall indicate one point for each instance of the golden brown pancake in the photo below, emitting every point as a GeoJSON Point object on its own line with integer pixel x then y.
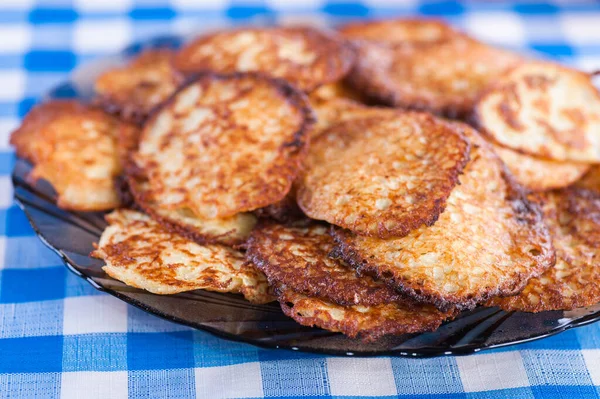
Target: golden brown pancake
{"type": "Point", "coordinates": [443, 73]}
{"type": "Point", "coordinates": [573, 217]}
{"type": "Point", "coordinates": [489, 241]}
{"type": "Point", "coordinates": [384, 175]}
{"type": "Point", "coordinates": [141, 253]}
{"type": "Point", "coordinates": [134, 90]}
{"type": "Point", "coordinates": [74, 147]}
{"type": "Point", "coordinates": [306, 57]}
{"type": "Point", "coordinates": [210, 150]}
{"type": "Point", "coordinates": [545, 110]}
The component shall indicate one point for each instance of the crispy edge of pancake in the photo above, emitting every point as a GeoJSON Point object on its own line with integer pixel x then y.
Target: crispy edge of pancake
{"type": "Point", "coordinates": [301, 257]}
{"type": "Point", "coordinates": [117, 248]}
{"type": "Point", "coordinates": [526, 212]}
{"type": "Point", "coordinates": [572, 282]}
{"type": "Point", "coordinates": [236, 238]}
{"type": "Point", "coordinates": [385, 217]}
{"type": "Point", "coordinates": [294, 150]}
{"type": "Point", "coordinates": [368, 323]}
{"type": "Point", "coordinates": [328, 42]}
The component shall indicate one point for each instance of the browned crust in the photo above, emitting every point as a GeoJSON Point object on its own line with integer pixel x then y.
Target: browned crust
{"type": "Point", "coordinates": [124, 103]}
{"type": "Point", "coordinates": [390, 319]}
{"type": "Point", "coordinates": [296, 148]}
{"type": "Point", "coordinates": [277, 251]}
{"type": "Point", "coordinates": [135, 178]}
{"type": "Point", "coordinates": [577, 256]}
{"type": "Point", "coordinates": [527, 213]}
{"type": "Point", "coordinates": [409, 221]}
{"type": "Point", "coordinates": [334, 54]}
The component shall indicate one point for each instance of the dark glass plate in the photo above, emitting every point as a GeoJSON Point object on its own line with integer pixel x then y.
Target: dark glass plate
{"type": "Point", "coordinates": [71, 235]}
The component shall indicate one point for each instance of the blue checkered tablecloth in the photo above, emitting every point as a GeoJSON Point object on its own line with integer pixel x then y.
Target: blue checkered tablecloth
{"type": "Point", "coordinates": [61, 338]}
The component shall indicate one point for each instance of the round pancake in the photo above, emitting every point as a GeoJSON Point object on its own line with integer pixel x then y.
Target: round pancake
{"type": "Point", "coordinates": [540, 174]}
{"type": "Point", "coordinates": [142, 254]}
{"type": "Point", "coordinates": [545, 110]}
{"type": "Point", "coordinates": [233, 230]}
{"type": "Point", "coordinates": [383, 175]}
{"type": "Point", "coordinates": [209, 150]}
{"type": "Point", "coordinates": [591, 180]}
{"type": "Point", "coordinates": [573, 217]}
{"type": "Point", "coordinates": [367, 322]}
{"type": "Point", "coordinates": [442, 77]}
{"type": "Point", "coordinates": [400, 31]}
{"type": "Point", "coordinates": [300, 258]}
{"type": "Point", "coordinates": [489, 241]}
{"type": "Point", "coordinates": [306, 57]}
{"type": "Point", "coordinates": [134, 90]}
{"type": "Point", "coordinates": [74, 147]}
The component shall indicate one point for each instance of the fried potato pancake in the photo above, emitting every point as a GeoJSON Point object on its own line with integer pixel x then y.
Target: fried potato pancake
{"type": "Point", "coordinates": [573, 217]}
{"type": "Point", "coordinates": [300, 258]}
{"type": "Point", "coordinates": [591, 180]}
{"type": "Point", "coordinates": [210, 150]}
{"type": "Point", "coordinates": [74, 147]}
{"type": "Point", "coordinates": [540, 174]}
{"type": "Point", "coordinates": [233, 230]}
{"type": "Point", "coordinates": [545, 110]}
{"type": "Point", "coordinates": [134, 90]}
{"type": "Point", "coordinates": [306, 57]}
{"type": "Point", "coordinates": [400, 31]}
{"type": "Point", "coordinates": [442, 77]}
{"type": "Point", "coordinates": [141, 253]}
{"type": "Point", "coordinates": [383, 175]}
{"type": "Point", "coordinates": [489, 241]}
{"type": "Point", "coordinates": [367, 322]}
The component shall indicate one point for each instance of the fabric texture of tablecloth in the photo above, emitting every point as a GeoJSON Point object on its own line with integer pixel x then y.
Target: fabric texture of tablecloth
{"type": "Point", "coordinates": [59, 337]}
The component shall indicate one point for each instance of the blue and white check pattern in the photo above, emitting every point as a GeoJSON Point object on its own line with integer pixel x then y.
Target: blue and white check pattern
{"type": "Point", "coordinates": [61, 338]}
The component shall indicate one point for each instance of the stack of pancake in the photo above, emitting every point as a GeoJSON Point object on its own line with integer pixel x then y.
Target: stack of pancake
{"type": "Point", "coordinates": [375, 179]}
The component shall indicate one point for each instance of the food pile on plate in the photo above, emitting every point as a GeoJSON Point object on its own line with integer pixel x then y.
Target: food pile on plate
{"type": "Point", "coordinates": [377, 179]}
